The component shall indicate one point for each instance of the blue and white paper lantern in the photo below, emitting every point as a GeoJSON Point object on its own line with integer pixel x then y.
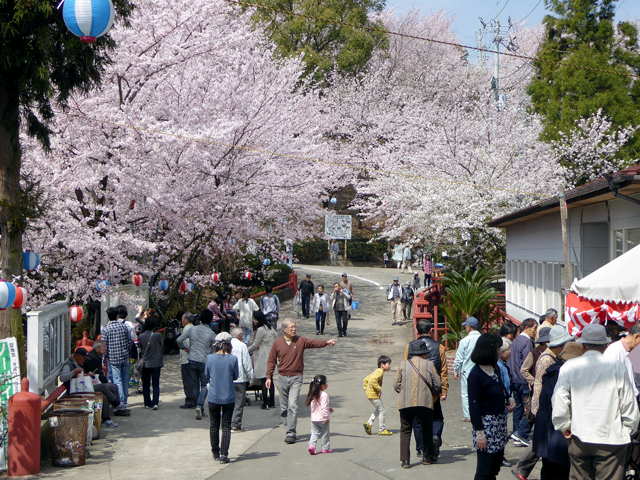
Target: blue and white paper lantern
{"type": "Point", "coordinates": [266, 262]}
{"type": "Point", "coordinates": [88, 19]}
{"type": "Point", "coordinates": [31, 260]}
{"type": "Point", "coordinates": [7, 294]}
{"type": "Point", "coordinates": [334, 200]}
{"type": "Point", "coordinates": [103, 285]}
{"type": "Point", "coordinates": [164, 285]}
{"type": "Point", "coordinates": [233, 241]}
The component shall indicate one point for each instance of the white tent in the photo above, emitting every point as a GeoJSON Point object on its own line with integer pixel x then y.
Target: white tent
{"type": "Point", "coordinates": [618, 281]}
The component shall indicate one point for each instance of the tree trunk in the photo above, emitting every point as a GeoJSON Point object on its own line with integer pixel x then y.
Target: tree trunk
{"type": "Point", "coordinates": [11, 220]}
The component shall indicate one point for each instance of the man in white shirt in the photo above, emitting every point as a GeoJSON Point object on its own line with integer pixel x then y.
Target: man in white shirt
{"type": "Point", "coordinates": [245, 375]}
{"type": "Point", "coordinates": [594, 407]}
{"type": "Point", "coordinates": [619, 351]}
{"type": "Point", "coordinates": [463, 365]}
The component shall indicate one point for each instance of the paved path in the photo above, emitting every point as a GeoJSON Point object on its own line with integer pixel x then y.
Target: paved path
{"type": "Point", "coordinates": [171, 444]}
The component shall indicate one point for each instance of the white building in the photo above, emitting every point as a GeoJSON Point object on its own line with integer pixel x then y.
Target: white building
{"type": "Point", "coordinates": [601, 227]}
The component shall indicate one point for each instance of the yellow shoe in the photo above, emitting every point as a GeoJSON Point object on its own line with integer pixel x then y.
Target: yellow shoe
{"type": "Point", "coordinates": [385, 432]}
{"type": "Point", "coordinates": [367, 428]}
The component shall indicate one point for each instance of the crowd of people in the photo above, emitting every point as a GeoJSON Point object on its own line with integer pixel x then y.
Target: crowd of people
{"type": "Point", "coordinates": [575, 415]}
{"type": "Point", "coordinates": [583, 411]}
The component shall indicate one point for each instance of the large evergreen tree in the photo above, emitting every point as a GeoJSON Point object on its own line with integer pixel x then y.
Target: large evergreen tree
{"type": "Point", "coordinates": [326, 46]}
{"type": "Point", "coordinates": [41, 63]}
{"type": "Point", "coordinates": [583, 32]}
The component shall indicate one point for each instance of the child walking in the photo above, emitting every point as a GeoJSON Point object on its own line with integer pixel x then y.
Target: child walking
{"type": "Point", "coordinates": [373, 388]}
{"type": "Point", "coordinates": [318, 400]}
{"type": "Point", "coordinates": [385, 258]}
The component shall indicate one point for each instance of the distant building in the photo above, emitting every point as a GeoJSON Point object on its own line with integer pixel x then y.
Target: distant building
{"type": "Point", "coordinates": [601, 227]}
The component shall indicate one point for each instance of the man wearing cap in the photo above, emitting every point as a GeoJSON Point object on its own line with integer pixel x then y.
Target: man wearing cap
{"type": "Point", "coordinates": [287, 353]}
{"type": "Point", "coordinates": [520, 348]}
{"type": "Point", "coordinates": [437, 355]}
{"type": "Point", "coordinates": [619, 351]}
{"type": "Point", "coordinates": [463, 365]}
{"type": "Point", "coordinates": [595, 408]}
{"type": "Point", "coordinates": [394, 295]}
{"type": "Point", "coordinates": [73, 366]}
{"type": "Point", "coordinates": [556, 337]}
{"type": "Point", "coordinates": [306, 290]}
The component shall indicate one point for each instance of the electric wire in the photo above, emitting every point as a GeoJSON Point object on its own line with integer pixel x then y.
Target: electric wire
{"type": "Point", "coordinates": [505, 6]}
{"type": "Point", "coordinates": [432, 40]}
{"type": "Point", "coordinates": [534, 9]}
{"type": "Point", "coordinates": [306, 159]}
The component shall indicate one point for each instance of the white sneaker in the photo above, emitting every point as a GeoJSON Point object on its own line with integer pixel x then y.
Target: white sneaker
{"type": "Point", "coordinates": [109, 424]}
{"type": "Point", "coordinates": [198, 413]}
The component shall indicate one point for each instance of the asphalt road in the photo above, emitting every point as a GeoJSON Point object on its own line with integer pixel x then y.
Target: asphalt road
{"type": "Point", "coordinates": [171, 444]}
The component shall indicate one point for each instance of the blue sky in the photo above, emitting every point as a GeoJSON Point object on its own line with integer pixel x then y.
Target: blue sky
{"type": "Point", "coordinates": [468, 11]}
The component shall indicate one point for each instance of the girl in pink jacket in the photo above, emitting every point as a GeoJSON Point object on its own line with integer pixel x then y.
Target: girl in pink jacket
{"type": "Point", "coordinates": [318, 400]}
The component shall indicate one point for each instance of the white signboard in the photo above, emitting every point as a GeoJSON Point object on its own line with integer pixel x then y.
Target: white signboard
{"type": "Point", "coordinates": [338, 227]}
{"type": "Point", "coordinates": [10, 384]}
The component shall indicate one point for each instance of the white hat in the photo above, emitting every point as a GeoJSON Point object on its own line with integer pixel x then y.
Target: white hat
{"type": "Point", "coordinates": [594, 335]}
{"type": "Point", "coordinates": [223, 337]}
{"type": "Point", "coordinates": [558, 336]}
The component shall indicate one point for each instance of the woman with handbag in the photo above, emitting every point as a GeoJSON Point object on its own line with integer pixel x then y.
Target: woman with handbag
{"type": "Point", "coordinates": [416, 381]}
{"type": "Point", "coordinates": [150, 362]}
{"type": "Point", "coordinates": [489, 403]}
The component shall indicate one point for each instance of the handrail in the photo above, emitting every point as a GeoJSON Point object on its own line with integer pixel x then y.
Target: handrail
{"type": "Point", "coordinates": [293, 283]}
{"type": "Point", "coordinates": [57, 393]}
{"type": "Point", "coordinates": [279, 287]}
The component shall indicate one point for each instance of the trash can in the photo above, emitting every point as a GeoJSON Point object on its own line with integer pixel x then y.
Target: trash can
{"type": "Point", "coordinates": [97, 398]}
{"type": "Point", "coordinates": [68, 436]}
{"type": "Point", "coordinates": [82, 404]}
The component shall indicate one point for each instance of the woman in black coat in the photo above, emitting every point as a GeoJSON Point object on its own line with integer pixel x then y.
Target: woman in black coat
{"type": "Point", "coordinates": [489, 403]}
{"type": "Point", "coordinates": [548, 443]}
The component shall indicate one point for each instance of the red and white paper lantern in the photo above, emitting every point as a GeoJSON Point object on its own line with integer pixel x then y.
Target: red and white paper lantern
{"type": "Point", "coordinates": [21, 297]}
{"type": "Point", "coordinates": [138, 279]}
{"type": "Point", "coordinates": [76, 314]}
{"type": "Point", "coordinates": [248, 275]}
{"type": "Point", "coordinates": [215, 277]}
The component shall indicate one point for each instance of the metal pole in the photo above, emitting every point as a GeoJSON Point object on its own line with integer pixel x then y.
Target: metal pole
{"type": "Point", "coordinates": [345, 249]}
{"type": "Point", "coordinates": [565, 240]}
{"type": "Point", "coordinates": [496, 72]}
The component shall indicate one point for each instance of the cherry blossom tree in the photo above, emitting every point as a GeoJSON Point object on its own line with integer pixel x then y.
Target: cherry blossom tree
{"type": "Point", "coordinates": [197, 136]}
{"type": "Point", "coordinates": [438, 157]}
{"type": "Point", "coordinates": [591, 149]}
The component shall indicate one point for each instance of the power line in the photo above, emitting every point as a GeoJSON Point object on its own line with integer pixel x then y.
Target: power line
{"type": "Point", "coordinates": [306, 159]}
{"type": "Point", "coordinates": [534, 9]}
{"type": "Point", "coordinates": [439, 42]}
{"type": "Point", "coordinates": [498, 14]}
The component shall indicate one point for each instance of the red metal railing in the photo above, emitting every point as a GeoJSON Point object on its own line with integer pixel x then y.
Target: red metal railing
{"type": "Point", "coordinates": [47, 402]}
{"type": "Point", "coordinates": [425, 307]}
{"type": "Point", "coordinates": [293, 283]}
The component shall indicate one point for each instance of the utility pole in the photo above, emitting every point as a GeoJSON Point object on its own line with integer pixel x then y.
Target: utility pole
{"type": "Point", "coordinates": [496, 70]}
{"type": "Point", "coordinates": [565, 241]}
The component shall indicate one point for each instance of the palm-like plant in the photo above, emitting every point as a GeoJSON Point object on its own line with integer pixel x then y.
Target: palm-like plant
{"type": "Point", "coordinates": [469, 294]}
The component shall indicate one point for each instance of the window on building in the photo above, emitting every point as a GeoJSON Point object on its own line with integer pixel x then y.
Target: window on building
{"type": "Point", "coordinates": [624, 240]}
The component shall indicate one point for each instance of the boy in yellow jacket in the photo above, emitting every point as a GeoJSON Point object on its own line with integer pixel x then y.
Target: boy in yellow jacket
{"type": "Point", "coordinates": [373, 389]}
